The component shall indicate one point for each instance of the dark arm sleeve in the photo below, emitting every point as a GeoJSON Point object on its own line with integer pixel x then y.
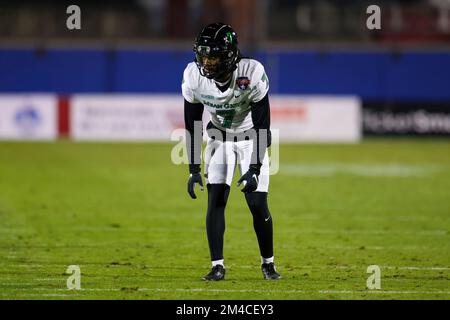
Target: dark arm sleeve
{"type": "Point", "coordinates": [193, 112]}
{"type": "Point", "coordinates": [261, 124]}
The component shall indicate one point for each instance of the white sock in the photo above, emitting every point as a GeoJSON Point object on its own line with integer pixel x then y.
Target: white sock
{"type": "Point", "coordinates": [266, 260]}
{"type": "Point", "coordinates": [216, 262]}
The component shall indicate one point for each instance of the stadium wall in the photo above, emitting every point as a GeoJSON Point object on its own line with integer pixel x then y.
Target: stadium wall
{"type": "Point", "coordinates": [401, 92]}
{"type": "Point", "coordinates": [371, 75]}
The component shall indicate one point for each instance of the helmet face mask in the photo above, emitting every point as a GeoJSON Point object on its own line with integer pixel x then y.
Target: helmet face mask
{"type": "Point", "coordinates": [213, 65]}
{"type": "Point", "coordinates": [216, 51]}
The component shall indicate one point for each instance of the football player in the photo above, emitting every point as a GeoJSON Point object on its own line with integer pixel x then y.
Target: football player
{"type": "Point", "coordinates": [234, 90]}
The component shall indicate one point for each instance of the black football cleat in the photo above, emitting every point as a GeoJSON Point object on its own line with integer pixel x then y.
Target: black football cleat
{"type": "Point", "coordinates": [217, 273]}
{"type": "Point", "coordinates": [269, 271]}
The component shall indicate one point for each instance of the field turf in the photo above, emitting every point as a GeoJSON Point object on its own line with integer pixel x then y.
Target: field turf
{"type": "Point", "coordinates": [122, 214]}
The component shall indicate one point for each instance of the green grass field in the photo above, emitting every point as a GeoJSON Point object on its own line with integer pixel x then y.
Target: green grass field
{"type": "Point", "coordinates": [121, 212]}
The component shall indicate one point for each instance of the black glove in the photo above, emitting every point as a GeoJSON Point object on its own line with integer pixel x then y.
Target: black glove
{"type": "Point", "coordinates": [194, 177]}
{"type": "Point", "coordinates": [251, 178]}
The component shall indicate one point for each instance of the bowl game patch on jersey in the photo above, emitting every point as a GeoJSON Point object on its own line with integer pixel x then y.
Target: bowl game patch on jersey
{"type": "Point", "coordinates": [243, 82]}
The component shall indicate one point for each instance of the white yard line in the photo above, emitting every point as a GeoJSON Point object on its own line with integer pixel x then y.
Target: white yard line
{"type": "Point", "coordinates": [372, 217]}
{"type": "Point", "coordinates": [381, 292]}
{"type": "Point", "coordinates": [296, 291]}
{"type": "Point", "coordinates": [415, 268]}
{"type": "Point", "coordinates": [150, 267]}
{"type": "Point", "coordinates": [377, 232]}
{"type": "Point", "coordinates": [16, 284]}
{"type": "Point", "coordinates": [63, 278]}
{"type": "Point", "coordinates": [32, 265]}
{"type": "Point", "coordinates": [434, 232]}
{"type": "Point", "coordinates": [39, 294]}
{"type": "Point", "coordinates": [299, 231]}
{"type": "Point", "coordinates": [330, 169]}
{"type": "Point", "coordinates": [239, 291]}
{"type": "Point", "coordinates": [362, 267]}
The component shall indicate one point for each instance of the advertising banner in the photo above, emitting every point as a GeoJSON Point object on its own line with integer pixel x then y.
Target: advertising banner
{"type": "Point", "coordinates": [401, 118]}
{"type": "Point", "coordinates": [28, 117]}
{"type": "Point", "coordinates": [155, 117]}
{"type": "Point", "coordinates": [316, 118]}
{"type": "Point", "coordinates": [125, 117]}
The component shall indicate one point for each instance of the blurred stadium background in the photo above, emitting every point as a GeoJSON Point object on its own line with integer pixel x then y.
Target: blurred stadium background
{"type": "Point", "coordinates": [118, 79]}
{"type": "Point", "coordinates": [400, 73]}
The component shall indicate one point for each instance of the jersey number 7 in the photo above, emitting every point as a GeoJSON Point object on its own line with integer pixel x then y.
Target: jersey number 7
{"type": "Point", "coordinates": [228, 116]}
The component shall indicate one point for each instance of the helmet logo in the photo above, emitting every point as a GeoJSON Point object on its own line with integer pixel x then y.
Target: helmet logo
{"type": "Point", "coordinates": [229, 37]}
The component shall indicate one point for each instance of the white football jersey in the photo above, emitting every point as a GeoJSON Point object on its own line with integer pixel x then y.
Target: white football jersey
{"type": "Point", "coordinates": [230, 110]}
